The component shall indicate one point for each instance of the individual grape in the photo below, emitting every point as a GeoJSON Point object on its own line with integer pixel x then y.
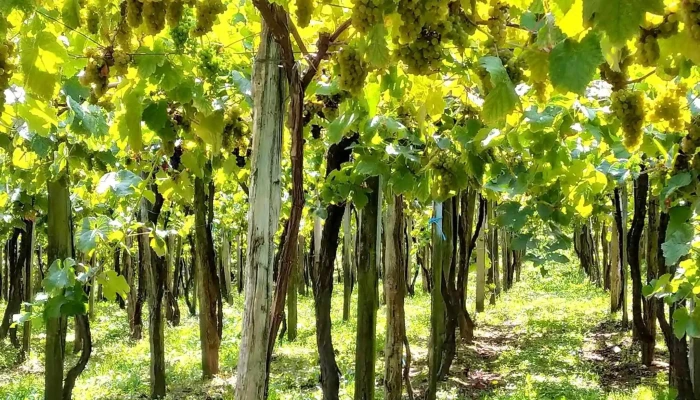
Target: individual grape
{"type": "Point", "coordinates": [353, 70]}
{"type": "Point", "coordinates": [628, 107]}
{"type": "Point", "coordinates": [304, 10]}
{"type": "Point", "coordinates": [176, 9]}
{"type": "Point", "coordinates": [413, 16]}
{"type": "Point", "coordinates": [134, 12]}
{"type": "Point", "coordinates": [206, 14]}
{"type": "Point", "coordinates": [424, 55]}
{"type": "Point", "coordinates": [499, 13]}
{"type": "Point", "coordinates": [154, 16]}
{"type": "Point", "coordinates": [366, 14]}
{"type": "Point", "coordinates": [93, 19]}
{"type": "Point", "coordinates": [691, 17]}
{"type": "Point", "coordinates": [7, 67]}
{"type": "Point", "coordinates": [667, 108]}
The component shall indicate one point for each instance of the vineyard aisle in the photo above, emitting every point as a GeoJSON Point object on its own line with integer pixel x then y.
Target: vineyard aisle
{"type": "Point", "coordinates": [547, 338]}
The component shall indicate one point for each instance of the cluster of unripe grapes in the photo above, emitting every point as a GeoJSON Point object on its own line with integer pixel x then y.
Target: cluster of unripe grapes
{"type": "Point", "coordinates": [7, 50]}
{"type": "Point", "coordinates": [352, 69]}
{"type": "Point", "coordinates": [667, 108]}
{"type": "Point", "coordinates": [412, 19]}
{"type": "Point", "coordinates": [210, 62]}
{"type": "Point", "coordinates": [424, 55]}
{"type": "Point", "coordinates": [498, 19]}
{"type": "Point", "coordinates": [457, 28]}
{"type": "Point", "coordinates": [688, 159]}
{"type": "Point", "coordinates": [304, 10]}
{"type": "Point", "coordinates": [100, 66]}
{"type": "Point", "coordinates": [153, 14]}
{"type": "Point", "coordinates": [628, 107]}
{"type": "Point", "coordinates": [92, 19]}
{"type": "Point", "coordinates": [236, 131]}
{"type": "Point", "coordinates": [366, 13]}
{"type": "Point", "coordinates": [647, 42]}
{"type": "Point", "coordinates": [691, 17]}
{"type": "Point", "coordinates": [443, 165]}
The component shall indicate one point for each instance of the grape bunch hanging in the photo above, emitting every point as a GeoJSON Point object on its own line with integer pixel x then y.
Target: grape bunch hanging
{"type": "Point", "coordinates": [628, 107]}
{"type": "Point", "coordinates": [304, 10]}
{"type": "Point", "coordinates": [647, 42]}
{"type": "Point", "coordinates": [667, 108]}
{"type": "Point", "coordinates": [499, 13]}
{"type": "Point", "coordinates": [366, 14]}
{"type": "Point", "coordinates": [424, 55]}
{"type": "Point", "coordinates": [353, 70]}
{"type": "Point", "coordinates": [691, 17]}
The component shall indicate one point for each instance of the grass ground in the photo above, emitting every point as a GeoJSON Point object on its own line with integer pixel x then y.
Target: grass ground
{"type": "Point", "coordinates": [548, 338]}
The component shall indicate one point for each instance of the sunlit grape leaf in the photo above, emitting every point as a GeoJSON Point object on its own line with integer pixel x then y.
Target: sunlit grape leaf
{"type": "Point", "coordinates": [502, 99]}
{"type": "Point", "coordinates": [41, 57]}
{"type": "Point", "coordinates": [38, 115]}
{"type": "Point", "coordinates": [92, 230]}
{"type": "Point", "coordinates": [113, 284]}
{"type": "Point", "coordinates": [70, 13]}
{"type": "Point", "coordinates": [572, 64]}
{"type": "Point", "coordinates": [620, 19]}
{"type": "Point", "coordinates": [123, 183]}
{"type": "Point", "coordinates": [23, 159]}
{"type": "Point", "coordinates": [377, 49]}
{"type": "Point", "coordinates": [133, 106]}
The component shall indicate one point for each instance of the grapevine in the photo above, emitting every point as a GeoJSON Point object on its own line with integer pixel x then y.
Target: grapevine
{"type": "Point", "coordinates": [210, 63]}
{"type": "Point", "coordinates": [176, 9]}
{"type": "Point", "coordinates": [424, 55]}
{"type": "Point", "coordinates": [304, 10]}
{"type": "Point", "coordinates": [121, 62]}
{"type": "Point", "coordinates": [458, 29]}
{"type": "Point", "coordinates": [647, 42]}
{"type": "Point", "coordinates": [617, 78]}
{"type": "Point", "coordinates": [628, 106]}
{"type": "Point", "coordinates": [353, 70]}
{"type": "Point", "coordinates": [122, 36]}
{"type": "Point", "coordinates": [6, 70]}
{"type": "Point", "coordinates": [207, 13]}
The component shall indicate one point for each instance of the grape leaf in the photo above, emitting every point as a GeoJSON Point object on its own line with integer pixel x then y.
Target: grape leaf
{"type": "Point", "coordinates": [572, 64]}
{"type": "Point", "coordinates": [620, 19]}
{"type": "Point", "coordinates": [502, 99]}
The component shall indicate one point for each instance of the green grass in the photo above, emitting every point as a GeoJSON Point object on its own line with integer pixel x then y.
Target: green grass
{"type": "Point", "coordinates": [531, 345]}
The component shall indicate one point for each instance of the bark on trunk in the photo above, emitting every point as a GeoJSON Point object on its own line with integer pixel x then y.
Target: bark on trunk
{"type": "Point", "coordinates": [141, 294]}
{"type": "Point", "coordinates": [347, 279]}
{"type": "Point", "coordinates": [292, 291]}
{"type": "Point", "coordinates": [395, 289]}
{"type": "Point", "coordinates": [365, 344]}
{"type": "Point", "coordinates": [226, 263]}
{"type": "Point", "coordinates": [466, 219]}
{"type": "Point", "coordinates": [481, 269]}
{"type": "Point", "coordinates": [449, 291]}
{"type": "Point", "coordinates": [323, 278]}
{"type": "Point", "coordinates": [209, 293]}
{"type": "Point", "coordinates": [263, 217]}
{"type": "Point", "coordinates": [172, 311]}
{"type": "Point", "coordinates": [615, 271]}
{"type": "Point", "coordinates": [15, 287]}
{"type": "Point", "coordinates": [652, 243]}
{"type": "Point", "coordinates": [154, 267]}
{"type": "Point", "coordinates": [605, 244]}
{"type": "Point", "coordinates": [30, 233]}
{"type": "Point", "coordinates": [119, 270]}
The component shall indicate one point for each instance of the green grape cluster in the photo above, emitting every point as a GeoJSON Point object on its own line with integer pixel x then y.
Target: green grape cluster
{"type": "Point", "coordinates": [180, 33]}
{"type": "Point", "coordinates": [424, 55]}
{"type": "Point", "coordinates": [691, 17]}
{"type": "Point", "coordinates": [207, 13]}
{"type": "Point", "coordinates": [175, 11]}
{"type": "Point", "coordinates": [304, 10]}
{"type": "Point", "coordinates": [154, 16]}
{"type": "Point", "coordinates": [123, 33]}
{"type": "Point", "coordinates": [436, 11]}
{"type": "Point", "coordinates": [353, 70]}
{"type": "Point", "coordinates": [515, 67]}
{"type": "Point", "coordinates": [628, 107]}
{"type": "Point", "coordinates": [366, 14]}
{"type": "Point", "coordinates": [458, 29]}
{"type": "Point", "coordinates": [210, 63]}
{"type": "Point", "coordinates": [647, 48]}
{"type": "Point", "coordinates": [134, 12]}
{"type": "Point", "coordinates": [617, 79]}
{"type": "Point", "coordinates": [121, 62]}
{"type": "Point", "coordinates": [499, 12]}
{"type": "Point", "coordinates": [412, 15]}
{"type": "Point", "coordinates": [96, 73]}
{"type": "Point", "coordinates": [7, 67]}
{"type": "Point", "coordinates": [93, 19]}
{"type": "Point", "coordinates": [667, 108]}
{"type": "Point", "coordinates": [236, 131]}
{"type": "Point", "coordinates": [647, 42]}
{"type": "Point", "coordinates": [443, 166]}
